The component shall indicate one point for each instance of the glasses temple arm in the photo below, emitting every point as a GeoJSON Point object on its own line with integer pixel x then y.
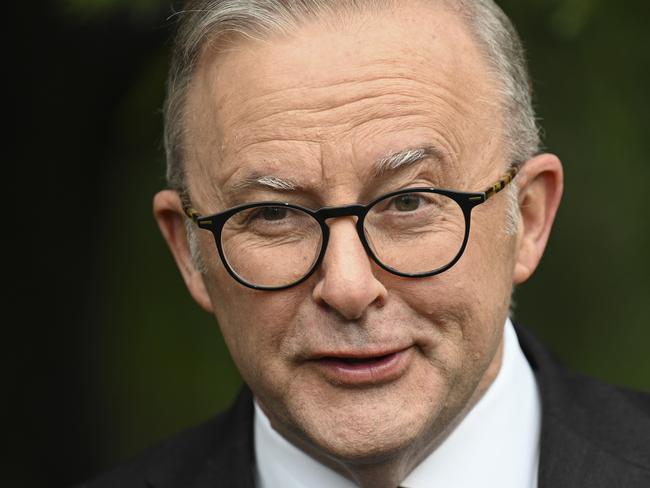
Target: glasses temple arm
{"type": "Point", "coordinates": [192, 214]}
{"type": "Point", "coordinates": [187, 206]}
{"type": "Point", "coordinates": [502, 183]}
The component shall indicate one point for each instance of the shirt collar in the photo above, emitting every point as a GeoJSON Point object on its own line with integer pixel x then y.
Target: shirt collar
{"type": "Point", "coordinates": [496, 443]}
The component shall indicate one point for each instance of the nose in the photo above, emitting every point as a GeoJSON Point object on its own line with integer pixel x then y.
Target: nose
{"type": "Point", "coordinates": [346, 279]}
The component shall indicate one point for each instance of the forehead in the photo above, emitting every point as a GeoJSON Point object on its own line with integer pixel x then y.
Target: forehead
{"type": "Point", "coordinates": [324, 103]}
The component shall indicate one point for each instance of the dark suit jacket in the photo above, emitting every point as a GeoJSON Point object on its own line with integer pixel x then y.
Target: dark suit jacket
{"type": "Point", "coordinates": [593, 435]}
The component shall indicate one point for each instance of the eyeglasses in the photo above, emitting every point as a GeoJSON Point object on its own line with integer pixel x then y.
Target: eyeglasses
{"type": "Point", "coordinates": [414, 233]}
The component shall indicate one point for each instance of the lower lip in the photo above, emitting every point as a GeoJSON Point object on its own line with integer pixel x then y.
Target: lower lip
{"type": "Point", "coordinates": [369, 373]}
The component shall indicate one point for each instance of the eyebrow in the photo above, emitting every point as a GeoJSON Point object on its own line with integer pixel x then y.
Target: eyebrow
{"type": "Point", "coordinates": [405, 158]}
{"type": "Point", "coordinates": [266, 181]}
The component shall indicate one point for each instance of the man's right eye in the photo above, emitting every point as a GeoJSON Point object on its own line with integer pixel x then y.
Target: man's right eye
{"type": "Point", "coordinates": [271, 213]}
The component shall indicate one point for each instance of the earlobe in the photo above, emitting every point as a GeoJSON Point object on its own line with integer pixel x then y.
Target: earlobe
{"type": "Point", "coordinates": [540, 191]}
{"type": "Point", "coordinates": [169, 214]}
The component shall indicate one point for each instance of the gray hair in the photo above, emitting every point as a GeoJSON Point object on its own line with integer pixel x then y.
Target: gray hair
{"type": "Point", "coordinates": [204, 21]}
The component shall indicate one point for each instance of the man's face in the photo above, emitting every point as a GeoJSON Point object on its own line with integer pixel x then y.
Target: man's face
{"type": "Point", "coordinates": [319, 109]}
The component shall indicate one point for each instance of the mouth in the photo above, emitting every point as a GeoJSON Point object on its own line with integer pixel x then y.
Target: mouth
{"type": "Point", "coordinates": [364, 369]}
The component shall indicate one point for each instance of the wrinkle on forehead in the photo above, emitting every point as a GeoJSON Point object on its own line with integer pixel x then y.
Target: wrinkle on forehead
{"type": "Point", "coordinates": [313, 84]}
{"type": "Point", "coordinates": [342, 108]}
{"type": "Point", "coordinates": [326, 114]}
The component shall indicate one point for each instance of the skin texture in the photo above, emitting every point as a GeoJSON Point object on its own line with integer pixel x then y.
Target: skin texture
{"type": "Point", "coordinates": [319, 108]}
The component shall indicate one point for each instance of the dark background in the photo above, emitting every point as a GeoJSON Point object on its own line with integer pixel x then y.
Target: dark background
{"type": "Point", "coordinates": [106, 353]}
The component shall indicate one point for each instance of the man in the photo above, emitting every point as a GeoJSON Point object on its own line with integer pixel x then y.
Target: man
{"type": "Point", "coordinates": [326, 162]}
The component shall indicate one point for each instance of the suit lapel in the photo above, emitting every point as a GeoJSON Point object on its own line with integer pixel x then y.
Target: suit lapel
{"type": "Point", "coordinates": [225, 457]}
{"type": "Point", "coordinates": [588, 428]}
{"type": "Point", "coordinates": [569, 460]}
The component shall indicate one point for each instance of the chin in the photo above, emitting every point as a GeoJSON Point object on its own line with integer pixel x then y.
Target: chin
{"type": "Point", "coordinates": [377, 441]}
{"type": "Point", "coordinates": [377, 447]}
{"type": "Point", "coordinates": [371, 426]}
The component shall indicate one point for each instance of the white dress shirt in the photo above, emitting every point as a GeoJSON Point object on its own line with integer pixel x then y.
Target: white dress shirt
{"type": "Point", "coordinates": [495, 445]}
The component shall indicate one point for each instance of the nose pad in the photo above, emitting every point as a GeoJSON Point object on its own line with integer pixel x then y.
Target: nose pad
{"type": "Point", "coordinates": [347, 282]}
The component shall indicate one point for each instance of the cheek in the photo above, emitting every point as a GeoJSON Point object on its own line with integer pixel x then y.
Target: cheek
{"type": "Point", "coordinates": [465, 307]}
{"type": "Point", "coordinates": [254, 324]}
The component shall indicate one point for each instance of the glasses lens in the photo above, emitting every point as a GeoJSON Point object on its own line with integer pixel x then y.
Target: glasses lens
{"type": "Point", "coordinates": [271, 246]}
{"type": "Point", "coordinates": [415, 233]}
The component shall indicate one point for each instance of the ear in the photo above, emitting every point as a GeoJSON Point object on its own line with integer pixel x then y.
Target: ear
{"type": "Point", "coordinates": [168, 211]}
{"type": "Point", "coordinates": [541, 182]}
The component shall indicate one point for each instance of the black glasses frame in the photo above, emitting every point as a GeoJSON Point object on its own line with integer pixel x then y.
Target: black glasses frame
{"type": "Point", "coordinates": [466, 200]}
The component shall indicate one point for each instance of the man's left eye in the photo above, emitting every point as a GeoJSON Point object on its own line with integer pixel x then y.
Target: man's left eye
{"type": "Point", "coordinates": [407, 203]}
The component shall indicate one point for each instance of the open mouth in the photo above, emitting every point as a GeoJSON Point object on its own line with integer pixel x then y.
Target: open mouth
{"type": "Point", "coordinates": [363, 362]}
{"type": "Point", "coordinates": [367, 370]}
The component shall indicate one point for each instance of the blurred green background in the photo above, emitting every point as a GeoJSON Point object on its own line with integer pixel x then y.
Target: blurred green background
{"type": "Point", "coordinates": [106, 352]}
